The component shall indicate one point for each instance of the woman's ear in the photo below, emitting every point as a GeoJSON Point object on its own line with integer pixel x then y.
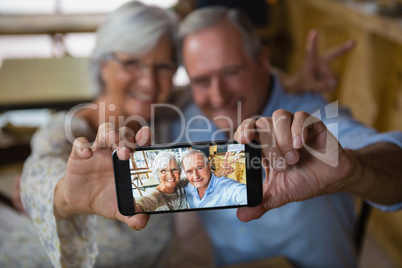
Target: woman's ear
{"type": "Point", "coordinates": [103, 66]}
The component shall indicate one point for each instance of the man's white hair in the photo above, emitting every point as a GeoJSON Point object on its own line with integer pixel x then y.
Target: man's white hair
{"type": "Point", "coordinates": [194, 151]}
{"type": "Point", "coordinates": [208, 17]}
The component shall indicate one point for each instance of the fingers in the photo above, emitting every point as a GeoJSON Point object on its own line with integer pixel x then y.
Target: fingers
{"type": "Point", "coordinates": [329, 79]}
{"type": "Point", "coordinates": [280, 136]}
{"type": "Point", "coordinates": [226, 159]}
{"type": "Point", "coordinates": [245, 133]}
{"type": "Point", "coordinates": [323, 78]}
{"type": "Point", "coordinates": [128, 141]}
{"type": "Point", "coordinates": [126, 145]}
{"type": "Point", "coordinates": [270, 150]}
{"type": "Point", "coordinates": [311, 43]}
{"type": "Point", "coordinates": [262, 130]}
{"type": "Point", "coordinates": [338, 51]}
{"type": "Point", "coordinates": [299, 130]}
{"type": "Point", "coordinates": [125, 140]}
{"type": "Point", "coordinates": [81, 149]}
{"type": "Point", "coordinates": [282, 122]}
{"type": "Point", "coordinates": [144, 136]}
{"type": "Point", "coordinates": [106, 137]}
{"type": "Point", "coordinates": [234, 161]}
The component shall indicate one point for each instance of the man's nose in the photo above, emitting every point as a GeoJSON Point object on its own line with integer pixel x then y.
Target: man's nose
{"type": "Point", "coordinates": [219, 95]}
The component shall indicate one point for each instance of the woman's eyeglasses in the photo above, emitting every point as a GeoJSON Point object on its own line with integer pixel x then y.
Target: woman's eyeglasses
{"type": "Point", "coordinates": [137, 67]}
{"type": "Point", "coordinates": [164, 171]}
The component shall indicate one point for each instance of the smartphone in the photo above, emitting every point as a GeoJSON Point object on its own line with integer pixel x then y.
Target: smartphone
{"type": "Point", "coordinates": [188, 177]}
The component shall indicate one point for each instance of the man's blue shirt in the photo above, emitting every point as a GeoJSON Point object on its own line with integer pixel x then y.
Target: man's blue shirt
{"type": "Point", "coordinates": [221, 192]}
{"type": "Point", "coordinates": [314, 233]}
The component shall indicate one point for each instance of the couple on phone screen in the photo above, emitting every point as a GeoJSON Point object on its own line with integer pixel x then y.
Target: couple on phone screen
{"type": "Point", "coordinates": [201, 188]}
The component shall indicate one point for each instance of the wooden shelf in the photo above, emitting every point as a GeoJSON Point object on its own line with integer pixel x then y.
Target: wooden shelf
{"type": "Point", "coordinates": [44, 83]}
{"type": "Point", "coordinates": [370, 75]}
{"type": "Point", "coordinates": [49, 23]}
{"type": "Point", "coordinates": [361, 14]}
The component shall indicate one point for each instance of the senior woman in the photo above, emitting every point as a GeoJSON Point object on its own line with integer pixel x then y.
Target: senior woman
{"type": "Point", "coordinates": [169, 194]}
{"type": "Point", "coordinates": [63, 185]}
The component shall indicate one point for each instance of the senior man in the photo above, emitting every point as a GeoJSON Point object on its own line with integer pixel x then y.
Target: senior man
{"type": "Point", "coordinates": [231, 81]}
{"type": "Point", "coordinates": [207, 190]}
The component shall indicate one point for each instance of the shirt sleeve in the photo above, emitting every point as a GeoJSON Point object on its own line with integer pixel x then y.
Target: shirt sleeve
{"type": "Point", "coordinates": [236, 190]}
{"type": "Point", "coordinates": [151, 201]}
{"type": "Point", "coordinates": [241, 194]}
{"type": "Point", "coordinates": [66, 242]}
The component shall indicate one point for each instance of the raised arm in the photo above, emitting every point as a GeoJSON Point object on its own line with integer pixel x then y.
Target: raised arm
{"type": "Point", "coordinates": [226, 166]}
{"type": "Point", "coordinates": [378, 173]}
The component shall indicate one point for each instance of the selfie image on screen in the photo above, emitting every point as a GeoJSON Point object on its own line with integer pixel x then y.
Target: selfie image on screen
{"type": "Point", "coordinates": [189, 178]}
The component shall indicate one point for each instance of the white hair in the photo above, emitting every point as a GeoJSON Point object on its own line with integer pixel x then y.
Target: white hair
{"type": "Point", "coordinates": [132, 28]}
{"type": "Point", "coordinates": [162, 160]}
{"type": "Point", "coordinates": [195, 151]}
{"type": "Point", "coordinates": [208, 17]}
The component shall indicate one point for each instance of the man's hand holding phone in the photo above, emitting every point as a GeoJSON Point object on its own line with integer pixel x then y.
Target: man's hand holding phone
{"type": "Point", "coordinates": [301, 158]}
{"type": "Point", "coordinates": [88, 186]}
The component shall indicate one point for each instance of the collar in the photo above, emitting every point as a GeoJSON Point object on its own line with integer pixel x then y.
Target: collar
{"type": "Point", "coordinates": [275, 97]}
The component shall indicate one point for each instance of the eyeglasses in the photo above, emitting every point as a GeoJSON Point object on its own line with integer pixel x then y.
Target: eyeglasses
{"type": "Point", "coordinates": [164, 171]}
{"type": "Point", "coordinates": [137, 67]}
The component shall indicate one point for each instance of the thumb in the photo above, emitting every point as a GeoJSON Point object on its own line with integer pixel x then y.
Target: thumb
{"type": "Point", "coordinates": [81, 149]}
{"type": "Point", "coordinates": [247, 214]}
{"type": "Point", "coordinates": [136, 222]}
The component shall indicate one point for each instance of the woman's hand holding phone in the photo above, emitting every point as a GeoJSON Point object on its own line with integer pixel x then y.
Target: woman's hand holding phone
{"type": "Point", "coordinates": [88, 186]}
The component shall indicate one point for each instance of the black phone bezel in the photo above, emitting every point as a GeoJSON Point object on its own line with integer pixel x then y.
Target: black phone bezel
{"type": "Point", "coordinates": [124, 194]}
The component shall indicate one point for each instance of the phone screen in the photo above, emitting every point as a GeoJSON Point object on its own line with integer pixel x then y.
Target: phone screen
{"type": "Point", "coordinates": [192, 177]}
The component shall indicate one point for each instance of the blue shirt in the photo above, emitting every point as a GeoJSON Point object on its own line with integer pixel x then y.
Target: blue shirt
{"type": "Point", "coordinates": [314, 233]}
{"type": "Point", "coordinates": [221, 192]}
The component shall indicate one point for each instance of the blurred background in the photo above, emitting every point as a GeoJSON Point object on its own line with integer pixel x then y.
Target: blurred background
{"type": "Point", "coordinates": [44, 47]}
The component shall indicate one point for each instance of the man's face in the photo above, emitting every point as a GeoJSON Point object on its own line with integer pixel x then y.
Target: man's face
{"type": "Point", "coordinates": [197, 171]}
{"type": "Point", "coordinates": [223, 74]}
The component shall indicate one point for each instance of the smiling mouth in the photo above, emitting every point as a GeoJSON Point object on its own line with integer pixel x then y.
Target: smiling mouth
{"type": "Point", "coordinates": [170, 180]}
{"type": "Point", "coordinates": [141, 96]}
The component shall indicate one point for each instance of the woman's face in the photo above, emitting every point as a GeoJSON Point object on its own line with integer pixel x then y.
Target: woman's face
{"type": "Point", "coordinates": [170, 175]}
{"type": "Point", "coordinates": [135, 82]}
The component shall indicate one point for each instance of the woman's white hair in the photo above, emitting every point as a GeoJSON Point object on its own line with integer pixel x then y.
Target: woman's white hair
{"type": "Point", "coordinates": [132, 28]}
{"type": "Point", "coordinates": [162, 160]}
